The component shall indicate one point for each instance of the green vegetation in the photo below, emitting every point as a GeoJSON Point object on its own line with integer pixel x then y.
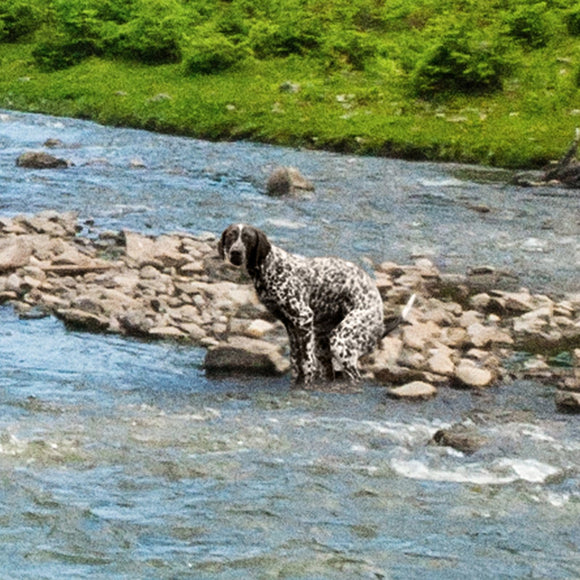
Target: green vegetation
{"type": "Point", "coordinates": [487, 81]}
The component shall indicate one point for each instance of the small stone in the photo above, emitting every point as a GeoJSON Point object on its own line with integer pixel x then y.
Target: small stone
{"type": "Point", "coordinates": [258, 328]}
{"type": "Point", "coordinates": [415, 390]}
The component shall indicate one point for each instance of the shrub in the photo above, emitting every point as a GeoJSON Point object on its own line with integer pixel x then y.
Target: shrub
{"type": "Point", "coordinates": [290, 36]}
{"type": "Point", "coordinates": [531, 24]}
{"type": "Point", "coordinates": [461, 59]}
{"type": "Point", "coordinates": [18, 19]}
{"type": "Point", "coordinates": [61, 52]}
{"type": "Point", "coordinates": [79, 33]}
{"type": "Point", "coordinates": [572, 20]}
{"type": "Point", "coordinates": [153, 36]}
{"type": "Point", "coordinates": [213, 54]}
{"type": "Point", "coordinates": [350, 48]}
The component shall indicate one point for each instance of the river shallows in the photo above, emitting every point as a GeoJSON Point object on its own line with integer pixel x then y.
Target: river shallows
{"type": "Point", "coordinates": [120, 459]}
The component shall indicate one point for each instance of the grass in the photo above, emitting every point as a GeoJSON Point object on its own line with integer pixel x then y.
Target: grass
{"type": "Point", "coordinates": [527, 124]}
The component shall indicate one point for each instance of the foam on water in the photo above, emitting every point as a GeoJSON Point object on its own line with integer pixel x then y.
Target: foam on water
{"type": "Point", "coordinates": [500, 472]}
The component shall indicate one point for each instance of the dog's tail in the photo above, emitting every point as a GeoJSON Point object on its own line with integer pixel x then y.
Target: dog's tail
{"type": "Point", "coordinates": [392, 322]}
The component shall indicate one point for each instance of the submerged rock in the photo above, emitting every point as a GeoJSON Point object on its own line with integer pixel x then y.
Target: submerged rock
{"type": "Point", "coordinates": [287, 181]}
{"type": "Point", "coordinates": [41, 160]}
{"type": "Point", "coordinates": [466, 439]}
{"type": "Point", "coordinates": [568, 401]}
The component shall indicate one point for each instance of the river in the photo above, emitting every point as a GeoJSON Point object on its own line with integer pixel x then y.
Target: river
{"type": "Point", "coordinates": [120, 459]}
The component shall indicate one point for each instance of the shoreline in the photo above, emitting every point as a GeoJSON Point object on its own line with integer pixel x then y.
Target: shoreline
{"type": "Point", "coordinates": [342, 116]}
{"type": "Point", "coordinates": [463, 332]}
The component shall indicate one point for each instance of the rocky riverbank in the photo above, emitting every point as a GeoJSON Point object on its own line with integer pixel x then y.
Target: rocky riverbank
{"type": "Point", "coordinates": [463, 331]}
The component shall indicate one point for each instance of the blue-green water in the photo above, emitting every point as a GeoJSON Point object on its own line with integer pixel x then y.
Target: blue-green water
{"type": "Point", "coordinates": [121, 459]}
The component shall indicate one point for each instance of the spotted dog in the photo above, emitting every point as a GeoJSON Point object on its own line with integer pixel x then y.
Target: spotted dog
{"type": "Point", "coordinates": [331, 308]}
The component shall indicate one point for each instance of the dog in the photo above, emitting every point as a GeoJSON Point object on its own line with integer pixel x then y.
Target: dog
{"type": "Point", "coordinates": [331, 308]}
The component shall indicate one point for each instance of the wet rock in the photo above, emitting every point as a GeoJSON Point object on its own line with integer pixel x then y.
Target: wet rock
{"type": "Point", "coordinates": [568, 401]}
{"type": "Point", "coordinates": [82, 319]}
{"type": "Point", "coordinates": [41, 160]}
{"type": "Point", "coordinates": [246, 355]}
{"type": "Point", "coordinates": [416, 390]}
{"type": "Point", "coordinates": [287, 181]}
{"type": "Point", "coordinates": [136, 323]}
{"type": "Point", "coordinates": [53, 143]}
{"type": "Point", "coordinates": [166, 332]}
{"type": "Point", "coordinates": [466, 439]}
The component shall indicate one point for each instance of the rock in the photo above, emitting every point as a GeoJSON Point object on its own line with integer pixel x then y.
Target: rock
{"type": "Point", "coordinates": [53, 143]}
{"type": "Point", "coordinates": [15, 252]}
{"type": "Point", "coordinates": [82, 319]}
{"type": "Point", "coordinates": [136, 323]}
{"type": "Point", "coordinates": [464, 438]}
{"type": "Point", "coordinates": [163, 252]}
{"type": "Point", "coordinates": [41, 160]}
{"type": "Point", "coordinates": [287, 181]}
{"type": "Point", "coordinates": [166, 332]}
{"type": "Point", "coordinates": [289, 87]}
{"type": "Point", "coordinates": [245, 355]}
{"type": "Point", "coordinates": [417, 390]}
{"type": "Point", "coordinates": [481, 336]}
{"type": "Point", "coordinates": [467, 374]}
{"type": "Point", "coordinates": [568, 401]}
{"type": "Point", "coordinates": [259, 328]}
{"type": "Point", "coordinates": [440, 362]}
{"type": "Point", "coordinates": [419, 335]}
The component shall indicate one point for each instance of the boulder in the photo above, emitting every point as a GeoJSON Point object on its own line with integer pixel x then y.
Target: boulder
{"type": "Point", "coordinates": [41, 160]}
{"type": "Point", "coordinates": [416, 390]}
{"type": "Point", "coordinates": [245, 355]}
{"type": "Point", "coordinates": [287, 181]}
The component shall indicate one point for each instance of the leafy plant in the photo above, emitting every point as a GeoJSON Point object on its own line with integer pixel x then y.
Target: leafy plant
{"type": "Point", "coordinates": [461, 59]}
{"type": "Point", "coordinates": [18, 19]}
{"type": "Point", "coordinates": [213, 54]}
{"type": "Point", "coordinates": [531, 24]}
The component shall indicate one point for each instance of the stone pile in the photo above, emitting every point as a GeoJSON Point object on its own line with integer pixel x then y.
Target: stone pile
{"type": "Point", "coordinates": [460, 332]}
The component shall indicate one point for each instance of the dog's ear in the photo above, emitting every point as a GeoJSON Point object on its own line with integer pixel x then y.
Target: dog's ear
{"type": "Point", "coordinates": [259, 251]}
{"type": "Point", "coordinates": [222, 243]}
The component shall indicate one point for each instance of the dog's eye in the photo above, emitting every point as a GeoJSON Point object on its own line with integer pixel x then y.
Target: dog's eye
{"type": "Point", "coordinates": [246, 236]}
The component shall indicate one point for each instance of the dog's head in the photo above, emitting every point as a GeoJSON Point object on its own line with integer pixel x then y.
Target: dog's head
{"type": "Point", "coordinates": [243, 245]}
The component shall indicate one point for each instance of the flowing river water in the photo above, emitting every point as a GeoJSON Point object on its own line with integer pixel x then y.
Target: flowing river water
{"type": "Point", "coordinates": [121, 459]}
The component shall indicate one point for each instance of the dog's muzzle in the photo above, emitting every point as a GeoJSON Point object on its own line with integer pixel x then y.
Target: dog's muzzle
{"type": "Point", "coordinates": [236, 257]}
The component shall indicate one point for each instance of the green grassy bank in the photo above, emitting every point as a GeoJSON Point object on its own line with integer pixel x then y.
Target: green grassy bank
{"type": "Point", "coordinates": [493, 82]}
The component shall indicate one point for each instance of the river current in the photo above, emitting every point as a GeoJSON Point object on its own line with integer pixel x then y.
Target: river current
{"type": "Point", "coordinates": [120, 459]}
